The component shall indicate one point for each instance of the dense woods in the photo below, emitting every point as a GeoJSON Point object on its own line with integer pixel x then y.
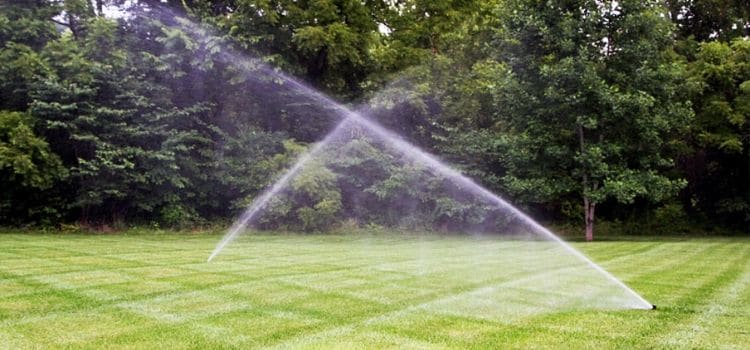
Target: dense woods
{"type": "Point", "coordinates": [628, 112]}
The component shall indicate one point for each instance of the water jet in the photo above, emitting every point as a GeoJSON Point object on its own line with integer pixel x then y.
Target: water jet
{"type": "Point", "coordinates": [412, 182]}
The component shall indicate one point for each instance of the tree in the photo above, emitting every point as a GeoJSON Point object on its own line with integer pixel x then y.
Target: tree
{"type": "Point", "coordinates": [27, 166]}
{"type": "Point", "coordinates": [25, 27]}
{"type": "Point", "coordinates": [105, 119]}
{"type": "Point", "coordinates": [328, 42]}
{"type": "Point", "coordinates": [592, 102]}
{"type": "Point", "coordinates": [437, 95]}
{"type": "Point", "coordinates": [720, 168]}
{"type": "Point", "coordinates": [704, 20]}
{"type": "Point", "coordinates": [711, 38]}
{"type": "Point", "coordinates": [28, 22]}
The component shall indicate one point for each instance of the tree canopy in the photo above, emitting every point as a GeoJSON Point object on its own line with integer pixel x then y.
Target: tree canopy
{"type": "Point", "coordinates": [138, 111]}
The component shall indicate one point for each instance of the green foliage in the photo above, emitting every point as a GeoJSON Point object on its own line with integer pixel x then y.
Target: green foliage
{"type": "Point", "coordinates": [549, 103]}
{"type": "Point", "coordinates": [28, 22]}
{"type": "Point", "coordinates": [178, 216]}
{"type": "Point", "coordinates": [590, 104]}
{"type": "Point", "coordinates": [21, 67]}
{"type": "Point", "coordinates": [27, 169]}
{"type": "Point", "coordinates": [103, 126]}
{"type": "Point", "coordinates": [327, 41]}
{"type": "Point", "coordinates": [705, 20]}
{"type": "Point", "coordinates": [318, 187]}
{"type": "Point", "coordinates": [720, 168]}
{"type": "Point", "coordinates": [312, 203]}
{"type": "Point", "coordinates": [24, 157]}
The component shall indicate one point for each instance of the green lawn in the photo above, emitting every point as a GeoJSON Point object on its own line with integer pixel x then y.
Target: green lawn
{"type": "Point", "coordinates": [359, 291]}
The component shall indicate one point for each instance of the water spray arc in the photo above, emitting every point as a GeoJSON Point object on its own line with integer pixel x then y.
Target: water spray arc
{"type": "Point", "coordinates": [349, 117]}
{"type": "Point", "coordinates": [258, 204]}
{"type": "Point", "coordinates": [431, 162]}
{"type": "Point", "coordinates": [434, 163]}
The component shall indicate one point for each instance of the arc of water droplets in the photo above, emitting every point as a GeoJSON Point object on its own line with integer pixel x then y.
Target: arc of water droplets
{"type": "Point", "coordinates": [422, 157]}
{"type": "Point", "coordinates": [263, 199]}
{"type": "Point", "coordinates": [453, 174]}
{"type": "Point", "coordinates": [415, 153]}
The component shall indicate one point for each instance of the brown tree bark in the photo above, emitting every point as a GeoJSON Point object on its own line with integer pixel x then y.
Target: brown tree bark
{"type": "Point", "coordinates": [588, 205]}
{"type": "Point", "coordinates": [589, 208]}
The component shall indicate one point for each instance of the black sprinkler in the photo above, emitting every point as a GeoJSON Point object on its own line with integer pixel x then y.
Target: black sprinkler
{"type": "Point", "coordinates": [653, 307]}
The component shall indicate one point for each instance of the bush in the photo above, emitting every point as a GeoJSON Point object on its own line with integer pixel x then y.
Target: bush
{"type": "Point", "coordinates": [178, 216]}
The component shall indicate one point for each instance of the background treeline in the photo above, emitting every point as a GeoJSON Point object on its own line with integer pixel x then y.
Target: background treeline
{"type": "Point", "coordinates": [625, 111]}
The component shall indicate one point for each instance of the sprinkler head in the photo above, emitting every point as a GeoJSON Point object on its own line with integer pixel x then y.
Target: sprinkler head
{"type": "Point", "coordinates": [653, 307]}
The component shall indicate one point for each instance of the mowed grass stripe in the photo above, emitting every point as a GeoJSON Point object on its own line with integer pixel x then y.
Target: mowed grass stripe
{"type": "Point", "coordinates": [317, 294]}
{"type": "Point", "coordinates": [629, 329]}
{"type": "Point", "coordinates": [419, 305]}
{"type": "Point", "coordinates": [663, 258]}
{"type": "Point", "coordinates": [681, 303]}
{"type": "Point", "coordinates": [714, 300]}
{"type": "Point", "coordinates": [658, 273]}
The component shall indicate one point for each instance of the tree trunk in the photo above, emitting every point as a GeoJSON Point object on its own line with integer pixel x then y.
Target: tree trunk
{"type": "Point", "coordinates": [73, 25]}
{"type": "Point", "coordinates": [588, 208]}
{"type": "Point", "coordinates": [588, 205]}
{"type": "Point", "coordinates": [747, 164]}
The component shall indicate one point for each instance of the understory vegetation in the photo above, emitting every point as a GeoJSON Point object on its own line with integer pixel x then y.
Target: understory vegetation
{"type": "Point", "coordinates": [634, 113]}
